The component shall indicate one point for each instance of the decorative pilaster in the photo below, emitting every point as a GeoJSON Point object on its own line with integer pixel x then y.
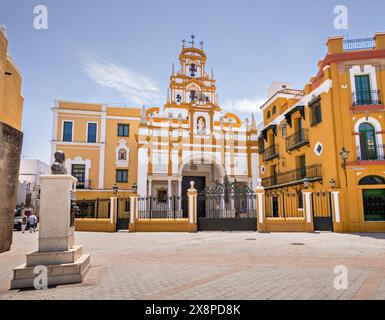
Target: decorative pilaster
{"type": "Point", "coordinates": [133, 212]}
{"type": "Point", "coordinates": [308, 208]}
{"type": "Point", "coordinates": [335, 199]}
{"type": "Point", "coordinates": [260, 206]}
{"type": "Point", "coordinates": [192, 195]}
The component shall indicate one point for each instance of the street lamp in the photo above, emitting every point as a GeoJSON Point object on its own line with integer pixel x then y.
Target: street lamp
{"type": "Point", "coordinates": [344, 154]}
{"type": "Point", "coordinates": [332, 183]}
{"type": "Point", "coordinates": [115, 189]}
{"type": "Point", "coordinates": [306, 183]}
{"type": "Point", "coordinates": [135, 187]}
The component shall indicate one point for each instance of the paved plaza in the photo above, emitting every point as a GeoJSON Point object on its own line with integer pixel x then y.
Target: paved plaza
{"type": "Point", "coordinates": [214, 265]}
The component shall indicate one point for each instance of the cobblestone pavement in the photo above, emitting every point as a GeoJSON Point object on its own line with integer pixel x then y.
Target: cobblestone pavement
{"type": "Point", "coordinates": [214, 266]}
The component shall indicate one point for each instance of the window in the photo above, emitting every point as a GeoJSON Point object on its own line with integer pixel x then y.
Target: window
{"type": "Point", "coordinates": [363, 92]}
{"type": "Point", "coordinates": [123, 130]}
{"type": "Point", "coordinates": [371, 180]}
{"type": "Point", "coordinates": [374, 204]}
{"type": "Point", "coordinates": [268, 114]}
{"type": "Point", "coordinates": [79, 171]}
{"type": "Point", "coordinates": [274, 110]}
{"type": "Point", "coordinates": [67, 131]}
{"type": "Point", "coordinates": [122, 176]}
{"type": "Point", "coordinates": [368, 146]}
{"type": "Point", "coordinates": [315, 113]}
{"type": "Point", "coordinates": [91, 132]}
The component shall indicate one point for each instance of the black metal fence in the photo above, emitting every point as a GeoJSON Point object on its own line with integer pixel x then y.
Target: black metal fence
{"type": "Point", "coordinates": [169, 208]}
{"type": "Point", "coordinates": [371, 152]}
{"type": "Point", "coordinates": [359, 44]}
{"type": "Point", "coordinates": [294, 176]}
{"type": "Point", "coordinates": [366, 97]}
{"type": "Point", "coordinates": [227, 205]}
{"type": "Point", "coordinates": [270, 152]}
{"type": "Point", "coordinates": [297, 139]}
{"type": "Point", "coordinates": [95, 208]}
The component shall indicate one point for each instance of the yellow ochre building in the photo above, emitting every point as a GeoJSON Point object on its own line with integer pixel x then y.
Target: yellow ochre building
{"type": "Point", "coordinates": [321, 149]}
{"type": "Point", "coordinates": [315, 163]}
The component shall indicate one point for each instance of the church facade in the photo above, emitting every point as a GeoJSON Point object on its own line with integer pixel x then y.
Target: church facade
{"type": "Point", "coordinates": [191, 139]}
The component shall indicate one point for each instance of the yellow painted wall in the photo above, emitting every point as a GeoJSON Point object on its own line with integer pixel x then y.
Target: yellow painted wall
{"type": "Point", "coordinates": [11, 100]}
{"type": "Point", "coordinates": [95, 225]}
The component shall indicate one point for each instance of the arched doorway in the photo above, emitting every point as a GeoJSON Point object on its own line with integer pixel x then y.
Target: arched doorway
{"type": "Point", "coordinates": [204, 174]}
{"type": "Point", "coordinates": [368, 145]}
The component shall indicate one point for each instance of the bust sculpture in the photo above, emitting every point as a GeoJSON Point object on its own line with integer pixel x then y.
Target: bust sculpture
{"type": "Point", "coordinates": [58, 166]}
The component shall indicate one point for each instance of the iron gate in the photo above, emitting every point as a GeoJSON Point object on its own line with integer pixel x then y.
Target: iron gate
{"type": "Point", "coordinates": [123, 214]}
{"type": "Point", "coordinates": [322, 211]}
{"type": "Point", "coordinates": [227, 207]}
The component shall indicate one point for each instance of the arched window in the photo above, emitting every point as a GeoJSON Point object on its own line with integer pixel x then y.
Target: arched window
{"type": "Point", "coordinates": [368, 146]}
{"type": "Point", "coordinates": [371, 180]}
{"type": "Point", "coordinates": [268, 114]}
{"type": "Point", "coordinates": [274, 110]}
{"type": "Point", "coordinates": [122, 154]}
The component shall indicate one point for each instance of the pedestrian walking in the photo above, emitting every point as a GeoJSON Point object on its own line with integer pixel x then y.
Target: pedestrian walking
{"type": "Point", "coordinates": [23, 223]}
{"type": "Point", "coordinates": [32, 220]}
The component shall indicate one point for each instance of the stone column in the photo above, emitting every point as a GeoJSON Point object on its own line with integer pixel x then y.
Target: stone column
{"type": "Point", "coordinates": [192, 195]}
{"type": "Point", "coordinates": [64, 261]}
{"type": "Point", "coordinates": [308, 208]}
{"type": "Point", "coordinates": [260, 206]}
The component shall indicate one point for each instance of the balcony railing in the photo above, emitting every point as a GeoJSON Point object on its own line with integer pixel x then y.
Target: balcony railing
{"type": "Point", "coordinates": [83, 185]}
{"type": "Point", "coordinates": [297, 140]}
{"type": "Point", "coordinates": [313, 172]}
{"type": "Point", "coordinates": [371, 154]}
{"type": "Point", "coordinates": [361, 98]}
{"type": "Point", "coordinates": [359, 44]}
{"type": "Point", "coordinates": [270, 153]}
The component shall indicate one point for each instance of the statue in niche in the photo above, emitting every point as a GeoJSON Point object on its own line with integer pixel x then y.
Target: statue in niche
{"type": "Point", "coordinates": [201, 125]}
{"type": "Point", "coordinates": [58, 166]}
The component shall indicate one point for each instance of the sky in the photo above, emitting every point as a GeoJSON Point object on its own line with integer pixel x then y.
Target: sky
{"type": "Point", "coordinates": [120, 52]}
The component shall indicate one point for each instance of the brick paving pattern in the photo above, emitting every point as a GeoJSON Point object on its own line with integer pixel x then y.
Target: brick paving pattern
{"type": "Point", "coordinates": [214, 266]}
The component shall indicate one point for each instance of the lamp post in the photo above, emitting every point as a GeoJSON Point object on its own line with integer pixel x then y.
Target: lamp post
{"type": "Point", "coordinates": [135, 187]}
{"type": "Point", "coordinates": [332, 183]}
{"type": "Point", "coordinates": [306, 183]}
{"type": "Point", "coordinates": [115, 189]}
{"type": "Point", "coordinates": [344, 154]}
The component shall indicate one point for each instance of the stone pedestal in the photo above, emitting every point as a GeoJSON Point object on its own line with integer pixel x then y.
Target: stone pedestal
{"type": "Point", "coordinates": [64, 261]}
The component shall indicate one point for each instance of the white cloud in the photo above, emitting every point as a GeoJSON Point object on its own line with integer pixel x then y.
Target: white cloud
{"type": "Point", "coordinates": [245, 106]}
{"type": "Point", "coordinates": [135, 88]}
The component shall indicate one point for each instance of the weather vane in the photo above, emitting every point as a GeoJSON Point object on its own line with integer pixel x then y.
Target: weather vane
{"type": "Point", "coordinates": [183, 42]}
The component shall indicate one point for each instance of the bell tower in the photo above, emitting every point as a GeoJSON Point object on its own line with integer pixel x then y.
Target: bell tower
{"type": "Point", "coordinates": [191, 85]}
{"type": "Point", "coordinates": [193, 89]}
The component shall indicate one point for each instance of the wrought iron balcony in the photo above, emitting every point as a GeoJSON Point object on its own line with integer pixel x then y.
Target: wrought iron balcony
{"type": "Point", "coordinates": [359, 44]}
{"type": "Point", "coordinates": [371, 153]}
{"type": "Point", "coordinates": [270, 153]}
{"type": "Point", "coordinates": [372, 97]}
{"type": "Point", "coordinates": [297, 140]}
{"type": "Point", "coordinates": [313, 173]}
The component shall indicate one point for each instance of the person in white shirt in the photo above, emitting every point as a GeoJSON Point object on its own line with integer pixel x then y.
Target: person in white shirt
{"type": "Point", "coordinates": [32, 220]}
